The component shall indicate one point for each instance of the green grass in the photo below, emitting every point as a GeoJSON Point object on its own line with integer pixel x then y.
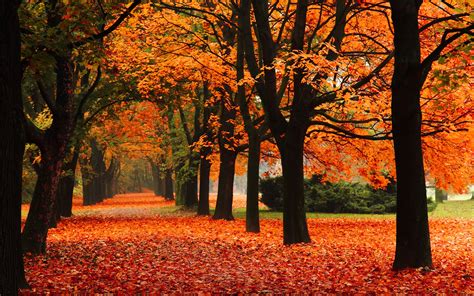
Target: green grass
{"type": "Point", "coordinates": [267, 214]}
{"type": "Point", "coordinates": [454, 209]}
{"type": "Point", "coordinates": [447, 209]}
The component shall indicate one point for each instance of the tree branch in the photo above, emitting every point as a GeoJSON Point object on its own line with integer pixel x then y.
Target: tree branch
{"type": "Point", "coordinates": [110, 29]}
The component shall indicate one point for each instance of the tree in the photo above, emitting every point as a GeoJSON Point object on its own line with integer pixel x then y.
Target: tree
{"type": "Point", "coordinates": [12, 274]}
{"type": "Point", "coordinates": [64, 107]}
{"type": "Point", "coordinates": [413, 240]}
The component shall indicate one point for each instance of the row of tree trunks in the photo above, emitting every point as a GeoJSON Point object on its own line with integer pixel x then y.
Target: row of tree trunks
{"type": "Point", "coordinates": [99, 182]}
{"type": "Point", "coordinates": [11, 151]}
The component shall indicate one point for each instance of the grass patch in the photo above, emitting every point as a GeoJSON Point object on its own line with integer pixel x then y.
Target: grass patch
{"type": "Point", "coordinates": [448, 209]}
{"type": "Point", "coordinates": [454, 209]}
{"type": "Point", "coordinates": [267, 214]}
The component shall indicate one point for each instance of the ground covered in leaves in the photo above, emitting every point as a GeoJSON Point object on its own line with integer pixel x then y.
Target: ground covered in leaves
{"type": "Point", "coordinates": [139, 244]}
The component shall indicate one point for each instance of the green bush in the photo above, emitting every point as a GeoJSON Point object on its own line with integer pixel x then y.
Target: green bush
{"type": "Point", "coordinates": [334, 198]}
{"type": "Point", "coordinates": [272, 193]}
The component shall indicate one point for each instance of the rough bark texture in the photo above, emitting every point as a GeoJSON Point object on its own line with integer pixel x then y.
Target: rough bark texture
{"type": "Point", "coordinates": [413, 239]}
{"type": "Point", "coordinates": [11, 150]}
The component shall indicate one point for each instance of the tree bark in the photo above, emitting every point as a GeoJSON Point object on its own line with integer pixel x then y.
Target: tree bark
{"type": "Point", "coordinates": [111, 175]}
{"type": "Point", "coordinates": [252, 223]}
{"type": "Point", "coordinates": [228, 155]}
{"type": "Point", "coordinates": [204, 172]}
{"type": "Point", "coordinates": [98, 166]}
{"type": "Point", "coordinates": [191, 183]}
{"type": "Point", "coordinates": [295, 229]}
{"type": "Point", "coordinates": [225, 190]}
{"type": "Point", "coordinates": [158, 179]}
{"type": "Point", "coordinates": [66, 185]}
{"type": "Point", "coordinates": [53, 145]}
{"type": "Point", "coordinates": [12, 147]}
{"type": "Point", "coordinates": [41, 209]}
{"type": "Point", "coordinates": [169, 185]}
{"type": "Point", "coordinates": [413, 240]}
{"type": "Point", "coordinates": [86, 182]}
{"type": "Point", "coordinates": [289, 136]}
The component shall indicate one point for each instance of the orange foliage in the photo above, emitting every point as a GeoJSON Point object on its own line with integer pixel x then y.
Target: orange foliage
{"type": "Point", "coordinates": [132, 249]}
{"type": "Point", "coordinates": [167, 54]}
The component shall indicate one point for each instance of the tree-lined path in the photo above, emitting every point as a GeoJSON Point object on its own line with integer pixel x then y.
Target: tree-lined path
{"type": "Point", "coordinates": [132, 244]}
{"type": "Point", "coordinates": [263, 128]}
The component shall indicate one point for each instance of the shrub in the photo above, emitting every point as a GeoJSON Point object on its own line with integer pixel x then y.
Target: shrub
{"type": "Point", "coordinates": [334, 198]}
{"type": "Point", "coordinates": [272, 193]}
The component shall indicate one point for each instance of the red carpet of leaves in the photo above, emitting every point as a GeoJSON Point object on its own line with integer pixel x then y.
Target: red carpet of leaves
{"type": "Point", "coordinates": [125, 246]}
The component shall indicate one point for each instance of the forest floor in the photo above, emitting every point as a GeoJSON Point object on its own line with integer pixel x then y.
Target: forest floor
{"type": "Point", "coordinates": [141, 244]}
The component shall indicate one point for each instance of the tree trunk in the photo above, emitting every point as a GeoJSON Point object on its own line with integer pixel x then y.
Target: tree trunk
{"type": "Point", "coordinates": [252, 223]}
{"type": "Point", "coordinates": [12, 147]}
{"type": "Point", "coordinates": [86, 185]}
{"type": "Point", "coordinates": [111, 175]}
{"type": "Point", "coordinates": [158, 179]}
{"type": "Point", "coordinates": [191, 197]}
{"type": "Point", "coordinates": [169, 185]}
{"type": "Point", "coordinates": [295, 229]}
{"type": "Point", "coordinates": [66, 185]}
{"type": "Point", "coordinates": [413, 240]}
{"type": "Point", "coordinates": [53, 145]}
{"type": "Point", "coordinates": [42, 204]}
{"type": "Point", "coordinates": [204, 172]}
{"type": "Point", "coordinates": [225, 190]}
{"type": "Point", "coordinates": [98, 166]}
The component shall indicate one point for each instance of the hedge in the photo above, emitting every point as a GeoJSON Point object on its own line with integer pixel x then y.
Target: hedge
{"type": "Point", "coordinates": [340, 197]}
